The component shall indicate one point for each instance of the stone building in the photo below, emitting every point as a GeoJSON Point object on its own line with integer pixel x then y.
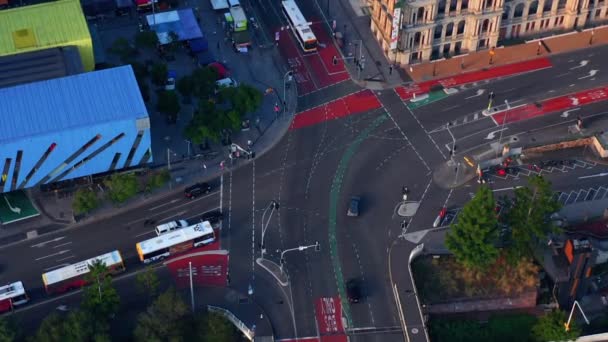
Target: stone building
{"type": "Point", "coordinates": [420, 30]}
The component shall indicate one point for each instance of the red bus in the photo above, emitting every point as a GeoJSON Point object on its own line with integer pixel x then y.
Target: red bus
{"type": "Point", "coordinates": [12, 295]}
{"type": "Point", "coordinates": [72, 276]}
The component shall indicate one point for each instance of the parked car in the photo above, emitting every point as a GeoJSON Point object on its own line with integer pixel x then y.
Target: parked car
{"type": "Point", "coordinates": [197, 189]}
{"type": "Point", "coordinates": [353, 207]}
{"type": "Point", "coordinates": [226, 82]}
{"type": "Point", "coordinates": [353, 291]}
{"type": "Point", "coordinates": [170, 85]}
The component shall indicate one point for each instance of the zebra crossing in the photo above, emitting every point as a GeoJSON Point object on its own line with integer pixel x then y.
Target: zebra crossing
{"type": "Point", "coordinates": [581, 195]}
{"type": "Point", "coordinates": [517, 171]}
{"type": "Point", "coordinates": [467, 119]}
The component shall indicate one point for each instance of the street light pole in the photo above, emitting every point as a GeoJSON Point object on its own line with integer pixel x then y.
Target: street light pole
{"type": "Point", "coordinates": [300, 248]}
{"type": "Point", "coordinates": [453, 151]}
{"type": "Point", "coordinates": [272, 205]}
{"type": "Point", "coordinates": [504, 120]}
{"type": "Point", "coordinates": [168, 159]}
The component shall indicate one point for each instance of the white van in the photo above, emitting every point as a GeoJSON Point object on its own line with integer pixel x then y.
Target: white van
{"type": "Point", "coordinates": [171, 226]}
{"type": "Point", "coordinates": [234, 3]}
{"type": "Point", "coordinates": [226, 82]}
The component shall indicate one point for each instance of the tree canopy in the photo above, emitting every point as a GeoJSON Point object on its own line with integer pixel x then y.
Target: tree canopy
{"type": "Point", "coordinates": [122, 187]}
{"type": "Point", "coordinates": [76, 326]}
{"type": "Point", "coordinates": [163, 320]}
{"type": "Point", "coordinates": [100, 298]}
{"type": "Point", "coordinates": [472, 238]}
{"type": "Point", "coordinates": [85, 200]}
{"type": "Point", "coordinates": [528, 216]}
{"type": "Point", "coordinates": [550, 327]}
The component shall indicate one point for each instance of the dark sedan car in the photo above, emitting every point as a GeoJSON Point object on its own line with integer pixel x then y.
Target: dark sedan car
{"type": "Point", "coordinates": [197, 189]}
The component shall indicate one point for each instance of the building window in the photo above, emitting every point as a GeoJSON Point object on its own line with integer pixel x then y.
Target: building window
{"type": "Point", "coordinates": [519, 10]}
{"type": "Point", "coordinates": [547, 5]}
{"type": "Point", "coordinates": [460, 29]}
{"type": "Point", "coordinates": [417, 38]}
{"type": "Point", "coordinates": [533, 8]}
{"type": "Point", "coordinates": [453, 4]}
{"type": "Point", "coordinates": [464, 4]}
{"type": "Point", "coordinates": [527, 27]}
{"type": "Point", "coordinates": [420, 13]}
{"type": "Point", "coordinates": [449, 30]}
{"type": "Point", "coordinates": [485, 26]}
{"type": "Point", "coordinates": [441, 7]}
{"type": "Point", "coordinates": [598, 12]}
{"type": "Point", "coordinates": [506, 12]}
{"type": "Point", "coordinates": [561, 4]}
{"type": "Point", "coordinates": [438, 31]}
{"type": "Point", "coordinates": [532, 25]}
{"type": "Point", "coordinates": [482, 43]}
{"type": "Point", "coordinates": [488, 4]}
{"type": "Point", "coordinates": [561, 20]}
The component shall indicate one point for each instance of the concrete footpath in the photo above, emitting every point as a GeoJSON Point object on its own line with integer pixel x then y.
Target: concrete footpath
{"type": "Point", "coordinates": [503, 55]}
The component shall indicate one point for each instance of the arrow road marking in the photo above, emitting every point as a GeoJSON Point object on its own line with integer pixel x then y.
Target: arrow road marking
{"type": "Point", "coordinates": [603, 174]}
{"type": "Point", "coordinates": [47, 242]}
{"type": "Point", "coordinates": [581, 64]}
{"type": "Point", "coordinates": [566, 113]}
{"type": "Point", "coordinates": [479, 93]}
{"type": "Point", "coordinates": [574, 100]}
{"type": "Point", "coordinates": [54, 254]}
{"type": "Point", "coordinates": [492, 134]}
{"type": "Point", "coordinates": [591, 74]}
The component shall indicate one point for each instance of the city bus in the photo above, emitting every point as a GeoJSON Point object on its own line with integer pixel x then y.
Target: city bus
{"type": "Point", "coordinates": [12, 295]}
{"type": "Point", "coordinates": [175, 242]}
{"type": "Point", "coordinates": [299, 26]}
{"type": "Point", "coordinates": [72, 276]}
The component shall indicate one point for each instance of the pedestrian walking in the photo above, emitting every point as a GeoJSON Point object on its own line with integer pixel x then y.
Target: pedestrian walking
{"type": "Point", "coordinates": [222, 165]}
{"type": "Point", "coordinates": [390, 69]}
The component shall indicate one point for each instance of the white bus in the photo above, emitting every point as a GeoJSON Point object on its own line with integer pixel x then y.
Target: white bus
{"type": "Point", "coordinates": [299, 26]}
{"type": "Point", "coordinates": [72, 276]}
{"type": "Point", "coordinates": [12, 295]}
{"type": "Point", "coordinates": [177, 241]}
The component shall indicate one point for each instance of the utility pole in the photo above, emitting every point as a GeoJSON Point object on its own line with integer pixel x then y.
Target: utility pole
{"type": "Point", "coordinates": [317, 247]}
{"type": "Point", "coordinates": [191, 286]}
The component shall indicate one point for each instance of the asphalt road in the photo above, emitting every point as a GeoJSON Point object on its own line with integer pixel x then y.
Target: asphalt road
{"type": "Point", "coordinates": [312, 173]}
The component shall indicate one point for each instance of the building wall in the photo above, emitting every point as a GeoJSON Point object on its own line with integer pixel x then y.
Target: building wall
{"type": "Point", "coordinates": [70, 143]}
{"type": "Point", "coordinates": [432, 29]}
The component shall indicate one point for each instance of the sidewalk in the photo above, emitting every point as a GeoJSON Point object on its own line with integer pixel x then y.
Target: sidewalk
{"type": "Point", "coordinates": [354, 25]}
{"type": "Point", "coordinates": [508, 54]}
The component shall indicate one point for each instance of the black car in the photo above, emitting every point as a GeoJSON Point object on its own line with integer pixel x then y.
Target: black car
{"type": "Point", "coordinates": [353, 291]}
{"type": "Point", "coordinates": [197, 190]}
{"type": "Point", "coordinates": [212, 216]}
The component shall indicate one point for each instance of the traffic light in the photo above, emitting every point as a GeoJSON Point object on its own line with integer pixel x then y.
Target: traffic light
{"type": "Point", "coordinates": [491, 95]}
{"type": "Point", "coordinates": [334, 60]}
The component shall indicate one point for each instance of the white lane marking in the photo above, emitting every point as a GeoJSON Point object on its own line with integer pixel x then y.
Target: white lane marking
{"type": "Point", "coordinates": [66, 258]}
{"type": "Point", "coordinates": [145, 233]}
{"type": "Point", "coordinates": [449, 108]}
{"type": "Point", "coordinates": [478, 93]}
{"type": "Point", "coordinates": [507, 189]}
{"type": "Point", "coordinates": [591, 74]}
{"type": "Point", "coordinates": [55, 267]}
{"type": "Point", "coordinates": [52, 255]}
{"type": "Point", "coordinates": [603, 174]}
{"type": "Point", "coordinates": [253, 221]}
{"type": "Point", "coordinates": [47, 242]}
{"type": "Point", "coordinates": [476, 116]}
{"type": "Point", "coordinates": [63, 244]}
{"type": "Point", "coordinates": [580, 64]}
{"type": "Point", "coordinates": [164, 204]}
{"type": "Point", "coordinates": [189, 202]}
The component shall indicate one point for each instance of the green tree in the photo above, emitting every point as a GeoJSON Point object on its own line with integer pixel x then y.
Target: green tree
{"type": "Point", "coordinates": [528, 217]}
{"type": "Point", "coordinates": [550, 327]}
{"type": "Point", "coordinates": [74, 327]}
{"type": "Point", "coordinates": [472, 238]}
{"type": "Point", "coordinates": [148, 282]}
{"type": "Point", "coordinates": [123, 49]}
{"type": "Point", "coordinates": [158, 179]}
{"type": "Point", "coordinates": [122, 187]}
{"type": "Point", "coordinates": [100, 298]}
{"type": "Point", "coordinates": [204, 82]}
{"type": "Point", "coordinates": [146, 39]}
{"type": "Point", "coordinates": [163, 320]}
{"type": "Point", "coordinates": [7, 331]}
{"type": "Point", "coordinates": [159, 74]}
{"type": "Point", "coordinates": [218, 329]}
{"type": "Point", "coordinates": [140, 70]}
{"type": "Point", "coordinates": [84, 201]}
{"type": "Point", "coordinates": [168, 104]}
{"type": "Point", "coordinates": [243, 99]}
{"type": "Point", "coordinates": [206, 123]}
{"type": "Point", "coordinates": [185, 86]}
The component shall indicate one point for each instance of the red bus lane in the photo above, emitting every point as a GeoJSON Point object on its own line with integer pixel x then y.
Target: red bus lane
{"type": "Point", "coordinates": [321, 63]}
{"type": "Point", "coordinates": [356, 103]}
{"type": "Point", "coordinates": [291, 52]}
{"type": "Point", "coordinates": [408, 92]}
{"type": "Point", "coordinates": [329, 315]}
{"type": "Point", "coordinates": [556, 104]}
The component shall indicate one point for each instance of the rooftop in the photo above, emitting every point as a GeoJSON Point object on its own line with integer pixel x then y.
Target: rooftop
{"type": "Point", "coordinates": [70, 102]}
{"type": "Point", "coordinates": [50, 24]}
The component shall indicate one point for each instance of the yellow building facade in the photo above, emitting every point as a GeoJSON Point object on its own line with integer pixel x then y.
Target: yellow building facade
{"type": "Point", "coordinates": [43, 26]}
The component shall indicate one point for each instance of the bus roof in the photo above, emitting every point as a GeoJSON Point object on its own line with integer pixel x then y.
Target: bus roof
{"type": "Point", "coordinates": [292, 10]}
{"type": "Point", "coordinates": [175, 237]}
{"type": "Point", "coordinates": [306, 33]}
{"type": "Point", "coordinates": [11, 290]}
{"type": "Point", "coordinates": [79, 268]}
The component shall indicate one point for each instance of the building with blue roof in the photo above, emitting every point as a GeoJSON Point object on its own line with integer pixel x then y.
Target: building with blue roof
{"type": "Point", "coordinates": [72, 127]}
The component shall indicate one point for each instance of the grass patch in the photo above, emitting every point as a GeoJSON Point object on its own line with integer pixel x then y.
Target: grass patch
{"type": "Point", "coordinates": [443, 279]}
{"type": "Point", "coordinates": [498, 328]}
